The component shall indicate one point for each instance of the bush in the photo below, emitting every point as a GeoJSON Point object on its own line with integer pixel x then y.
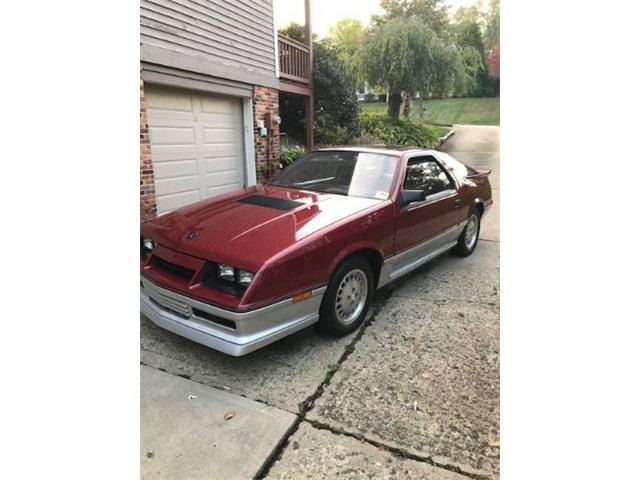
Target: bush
{"type": "Point", "coordinates": [399, 132]}
{"type": "Point", "coordinates": [288, 155]}
{"type": "Point", "coordinates": [327, 133]}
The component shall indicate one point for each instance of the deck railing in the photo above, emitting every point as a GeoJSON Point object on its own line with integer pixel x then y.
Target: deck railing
{"type": "Point", "coordinates": [294, 60]}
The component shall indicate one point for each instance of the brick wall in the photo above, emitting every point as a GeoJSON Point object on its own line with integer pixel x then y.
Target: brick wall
{"type": "Point", "coordinates": [265, 100]}
{"type": "Point", "coordinates": [148, 206]}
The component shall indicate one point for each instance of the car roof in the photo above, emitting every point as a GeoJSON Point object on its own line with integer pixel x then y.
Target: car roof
{"type": "Point", "coordinates": [395, 150]}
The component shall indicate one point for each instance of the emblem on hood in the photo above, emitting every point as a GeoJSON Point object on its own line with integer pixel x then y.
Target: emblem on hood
{"type": "Point", "coordinates": [193, 235]}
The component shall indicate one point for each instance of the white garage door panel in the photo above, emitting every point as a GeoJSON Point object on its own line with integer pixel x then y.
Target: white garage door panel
{"type": "Point", "coordinates": [196, 145]}
{"type": "Point", "coordinates": [214, 136]}
{"type": "Point", "coordinates": [222, 178]}
{"type": "Point", "coordinates": [173, 137]}
{"type": "Point", "coordinates": [218, 106]}
{"type": "Point", "coordinates": [169, 169]}
{"type": "Point", "coordinates": [177, 200]}
{"type": "Point", "coordinates": [169, 186]}
{"type": "Point", "coordinates": [166, 102]}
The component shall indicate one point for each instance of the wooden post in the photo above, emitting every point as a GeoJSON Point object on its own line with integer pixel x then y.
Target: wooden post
{"type": "Point", "coordinates": [309, 103]}
{"type": "Point", "coordinates": [307, 22]}
{"type": "Point", "coordinates": [309, 121]}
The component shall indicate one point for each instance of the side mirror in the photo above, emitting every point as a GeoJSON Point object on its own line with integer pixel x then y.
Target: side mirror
{"type": "Point", "coordinates": [410, 196]}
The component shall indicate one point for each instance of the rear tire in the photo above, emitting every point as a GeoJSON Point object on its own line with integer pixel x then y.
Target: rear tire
{"type": "Point", "coordinates": [468, 239]}
{"type": "Point", "coordinates": [348, 297]}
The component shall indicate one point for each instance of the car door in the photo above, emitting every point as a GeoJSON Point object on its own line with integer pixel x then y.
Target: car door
{"type": "Point", "coordinates": [425, 227]}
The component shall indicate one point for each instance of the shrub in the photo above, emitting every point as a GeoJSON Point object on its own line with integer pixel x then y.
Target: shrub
{"type": "Point", "coordinates": [288, 155]}
{"type": "Point", "coordinates": [399, 132]}
{"type": "Point", "coordinates": [326, 132]}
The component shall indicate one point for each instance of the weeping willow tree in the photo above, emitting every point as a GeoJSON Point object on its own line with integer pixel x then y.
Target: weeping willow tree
{"type": "Point", "coordinates": [406, 57]}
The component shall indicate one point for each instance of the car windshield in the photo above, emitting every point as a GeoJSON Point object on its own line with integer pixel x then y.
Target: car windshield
{"type": "Point", "coordinates": [355, 174]}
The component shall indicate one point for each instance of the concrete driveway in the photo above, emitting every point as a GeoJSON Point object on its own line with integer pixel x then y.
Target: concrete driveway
{"type": "Point", "coordinates": [412, 394]}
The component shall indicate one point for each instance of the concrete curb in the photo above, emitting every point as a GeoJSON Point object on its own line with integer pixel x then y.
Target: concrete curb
{"type": "Point", "coordinates": [442, 140]}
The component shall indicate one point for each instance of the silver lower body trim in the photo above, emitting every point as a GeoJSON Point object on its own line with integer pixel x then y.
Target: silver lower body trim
{"type": "Point", "coordinates": [253, 330]}
{"type": "Point", "coordinates": [404, 262]}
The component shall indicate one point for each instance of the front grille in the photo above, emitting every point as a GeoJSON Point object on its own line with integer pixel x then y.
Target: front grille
{"type": "Point", "coordinates": [175, 306]}
{"type": "Point", "coordinates": [212, 318]}
{"type": "Point", "coordinates": [173, 269]}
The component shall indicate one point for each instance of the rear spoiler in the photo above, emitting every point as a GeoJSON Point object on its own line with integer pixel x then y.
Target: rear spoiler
{"type": "Point", "coordinates": [480, 173]}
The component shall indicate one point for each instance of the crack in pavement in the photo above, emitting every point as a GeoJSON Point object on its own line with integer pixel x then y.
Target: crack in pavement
{"type": "Point", "coordinates": [308, 403]}
{"type": "Point", "coordinates": [216, 387]}
{"type": "Point", "coordinates": [396, 451]}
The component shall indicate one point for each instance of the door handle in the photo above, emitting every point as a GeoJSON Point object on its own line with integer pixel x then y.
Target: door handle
{"type": "Point", "coordinates": [457, 203]}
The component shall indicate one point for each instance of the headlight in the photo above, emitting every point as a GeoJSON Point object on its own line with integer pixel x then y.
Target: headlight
{"type": "Point", "coordinates": [244, 277]}
{"type": "Point", "coordinates": [146, 246]}
{"type": "Point", "coordinates": [226, 272]}
{"type": "Point", "coordinates": [227, 278]}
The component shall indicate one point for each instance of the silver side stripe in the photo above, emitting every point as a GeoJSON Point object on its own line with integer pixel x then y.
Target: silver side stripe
{"type": "Point", "coordinates": [410, 259]}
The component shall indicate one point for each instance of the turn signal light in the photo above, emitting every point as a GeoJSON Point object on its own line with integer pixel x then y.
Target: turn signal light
{"type": "Point", "coordinates": [301, 296]}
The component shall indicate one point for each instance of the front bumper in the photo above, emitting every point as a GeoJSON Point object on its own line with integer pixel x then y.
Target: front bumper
{"type": "Point", "coordinates": [232, 333]}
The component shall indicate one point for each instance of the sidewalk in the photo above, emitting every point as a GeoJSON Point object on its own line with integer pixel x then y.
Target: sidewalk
{"type": "Point", "coordinates": [184, 434]}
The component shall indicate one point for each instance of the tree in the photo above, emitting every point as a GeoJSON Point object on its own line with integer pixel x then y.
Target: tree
{"type": "Point", "coordinates": [492, 25]}
{"type": "Point", "coordinates": [295, 31]}
{"type": "Point", "coordinates": [336, 104]}
{"type": "Point", "coordinates": [469, 34]}
{"type": "Point", "coordinates": [407, 56]}
{"type": "Point", "coordinates": [347, 36]}
{"type": "Point", "coordinates": [432, 13]}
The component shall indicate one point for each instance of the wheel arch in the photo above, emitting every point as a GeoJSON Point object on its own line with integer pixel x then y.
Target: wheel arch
{"type": "Point", "coordinates": [478, 204]}
{"type": "Point", "coordinates": [371, 254]}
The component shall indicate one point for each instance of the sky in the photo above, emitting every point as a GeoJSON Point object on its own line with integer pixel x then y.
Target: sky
{"type": "Point", "coordinates": [325, 13]}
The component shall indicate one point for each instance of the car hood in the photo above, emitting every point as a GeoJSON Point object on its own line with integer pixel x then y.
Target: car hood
{"type": "Point", "coordinates": [247, 227]}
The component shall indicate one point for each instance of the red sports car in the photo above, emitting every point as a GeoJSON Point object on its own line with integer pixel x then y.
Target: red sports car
{"type": "Point", "coordinates": [242, 270]}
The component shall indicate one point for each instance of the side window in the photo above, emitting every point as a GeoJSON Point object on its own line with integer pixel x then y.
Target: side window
{"type": "Point", "coordinates": [424, 173]}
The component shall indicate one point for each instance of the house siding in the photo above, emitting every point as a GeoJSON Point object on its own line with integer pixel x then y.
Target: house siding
{"type": "Point", "coordinates": [232, 39]}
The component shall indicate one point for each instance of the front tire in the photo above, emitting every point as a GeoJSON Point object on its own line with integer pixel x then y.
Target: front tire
{"type": "Point", "coordinates": [468, 239]}
{"type": "Point", "coordinates": [348, 297]}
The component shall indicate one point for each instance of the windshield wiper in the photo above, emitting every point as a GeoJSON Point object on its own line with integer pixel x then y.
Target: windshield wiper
{"type": "Point", "coordinates": [319, 180]}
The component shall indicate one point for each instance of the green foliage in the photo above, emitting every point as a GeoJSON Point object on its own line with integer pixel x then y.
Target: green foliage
{"type": "Point", "coordinates": [406, 56]}
{"type": "Point", "coordinates": [469, 35]}
{"type": "Point", "coordinates": [491, 34]}
{"type": "Point", "coordinates": [467, 29]}
{"type": "Point", "coordinates": [294, 31]}
{"type": "Point", "coordinates": [396, 55]}
{"type": "Point", "coordinates": [288, 155]}
{"type": "Point", "coordinates": [327, 132]}
{"type": "Point", "coordinates": [463, 111]}
{"type": "Point", "coordinates": [403, 56]}
{"type": "Point", "coordinates": [431, 13]}
{"type": "Point", "coordinates": [337, 114]}
{"type": "Point", "coordinates": [346, 37]}
{"type": "Point", "coordinates": [399, 132]}
{"type": "Point", "coordinates": [336, 104]}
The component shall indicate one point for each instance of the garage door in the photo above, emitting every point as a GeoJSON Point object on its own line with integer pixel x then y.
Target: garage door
{"type": "Point", "coordinates": [196, 145]}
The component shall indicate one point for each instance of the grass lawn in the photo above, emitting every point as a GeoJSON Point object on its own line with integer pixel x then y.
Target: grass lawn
{"type": "Point", "coordinates": [464, 111]}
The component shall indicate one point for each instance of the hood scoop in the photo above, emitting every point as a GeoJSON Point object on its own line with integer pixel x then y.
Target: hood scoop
{"type": "Point", "coordinates": [271, 202]}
